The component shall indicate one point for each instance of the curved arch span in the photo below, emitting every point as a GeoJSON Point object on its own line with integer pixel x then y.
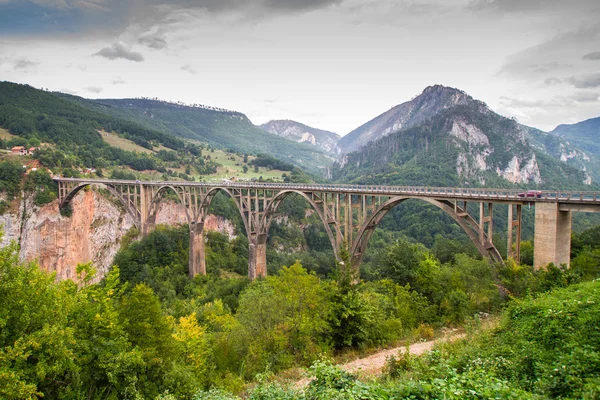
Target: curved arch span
{"type": "Point", "coordinates": [134, 214]}
{"type": "Point", "coordinates": [272, 206]}
{"type": "Point", "coordinates": [467, 223]}
{"type": "Point", "coordinates": [156, 200]}
{"type": "Point", "coordinates": [207, 200]}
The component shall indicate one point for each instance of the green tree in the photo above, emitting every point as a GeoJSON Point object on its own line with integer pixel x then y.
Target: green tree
{"type": "Point", "coordinates": [284, 318]}
{"type": "Point", "coordinates": [11, 173]}
{"type": "Point", "coordinates": [37, 341]}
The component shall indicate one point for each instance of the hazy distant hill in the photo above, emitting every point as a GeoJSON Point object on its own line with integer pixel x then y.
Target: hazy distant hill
{"type": "Point", "coordinates": [301, 133]}
{"type": "Point", "coordinates": [585, 134]}
{"type": "Point", "coordinates": [224, 129]}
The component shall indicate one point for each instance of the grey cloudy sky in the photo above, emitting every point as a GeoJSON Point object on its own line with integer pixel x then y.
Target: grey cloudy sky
{"type": "Point", "coordinates": [331, 64]}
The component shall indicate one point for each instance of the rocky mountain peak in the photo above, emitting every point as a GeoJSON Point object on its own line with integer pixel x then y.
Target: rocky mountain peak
{"type": "Point", "coordinates": [301, 133]}
{"type": "Point", "coordinates": [443, 96]}
{"type": "Point", "coordinates": [429, 103]}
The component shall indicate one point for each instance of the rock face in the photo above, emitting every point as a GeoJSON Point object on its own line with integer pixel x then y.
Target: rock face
{"type": "Point", "coordinates": [92, 233]}
{"type": "Point", "coordinates": [432, 101]}
{"type": "Point", "coordinates": [11, 226]}
{"type": "Point", "coordinates": [173, 213]}
{"type": "Point", "coordinates": [301, 133]}
{"type": "Point", "coordinates": [58, 243]}
{"type": "Point", "coordinates": [476, 148]}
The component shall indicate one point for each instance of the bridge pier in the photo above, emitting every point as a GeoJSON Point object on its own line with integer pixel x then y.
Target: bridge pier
{"type": "Point", "coordinates": [552, 239]}
{"type": "Point", "coordinates": [197, 257]}
{"type": "Point", "coordinates": [257, 257]}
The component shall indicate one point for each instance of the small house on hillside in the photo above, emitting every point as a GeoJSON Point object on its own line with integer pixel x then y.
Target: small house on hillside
{"type": "Point", "coordinates": [20, 150]}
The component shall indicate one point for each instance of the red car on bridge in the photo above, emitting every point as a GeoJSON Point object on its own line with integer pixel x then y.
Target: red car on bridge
{"type": "Point", "coordinates": [531, 193]}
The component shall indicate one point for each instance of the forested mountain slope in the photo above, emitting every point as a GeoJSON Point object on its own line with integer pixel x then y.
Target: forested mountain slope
{"type": "Point", "coordinates": [221, 128]}
{"type": "Point", "coordinates": [465, 145]}
{"type": "Point", "coordinates": [74, 132]}
{"type": "Point", "coordinates": [584, 134]}
{"type": "Point", "coordinates": [452, 139]}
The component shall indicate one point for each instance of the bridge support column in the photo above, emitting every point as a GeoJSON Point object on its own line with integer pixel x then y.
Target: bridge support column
{"type": "Point", "coordinates": [146, 221]}
{"type": "Point", "coordinates": [257, 257]}
{"type": "Point", "coordinates": [514, 231]}
{"type": "Point", "coordinates": [149, 225]}
{"type": "Point", "coordinates": [197, 260]}
{"type": "Point", "coordinates": [552, 240]}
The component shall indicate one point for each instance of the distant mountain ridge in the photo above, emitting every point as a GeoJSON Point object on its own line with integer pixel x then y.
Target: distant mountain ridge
{"type": "Point", "coordinates": [584, 134]}
{"type": "Point", "coordinates": [430, 102]}
{"type": "Point", "coordinates": [301, 133]}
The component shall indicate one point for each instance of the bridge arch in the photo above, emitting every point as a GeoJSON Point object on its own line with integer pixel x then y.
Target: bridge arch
{"type": "Point", "coordinates": [275, 202]}
{"type": "Point", "coordinates": [465, 221]}
{"type": "Point", "coordinates": [207, 201]}
{"type": "Point", "coordinates": [135, 214]}
{"type": "Point", "coordinates": [155, 201]}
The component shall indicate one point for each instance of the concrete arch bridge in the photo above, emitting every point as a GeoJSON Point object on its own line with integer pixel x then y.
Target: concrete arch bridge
{"type": "Point", "coordinates": [350, 213]}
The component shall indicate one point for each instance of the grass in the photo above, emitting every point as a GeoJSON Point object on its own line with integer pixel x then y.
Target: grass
{"type": "Point", "coordinates": [232, 166]}
{"type": "Point", "coordinates": [116, 141]}
{"type": "Point", "coordinates": [5, 135]}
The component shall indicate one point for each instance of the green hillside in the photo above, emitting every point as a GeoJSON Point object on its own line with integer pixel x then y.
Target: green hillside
{"type": "Point", "coordinates": [227, 130]}
{"type": "Point", "coordinates": [71, 136]}
{"type": "Point", "coordinates": [74, 135]}
{"type": "Point", "coordinates": [585, 134]}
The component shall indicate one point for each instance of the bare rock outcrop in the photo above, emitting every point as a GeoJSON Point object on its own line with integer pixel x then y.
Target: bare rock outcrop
{"type": "Point", "coordinates": [92, 233]}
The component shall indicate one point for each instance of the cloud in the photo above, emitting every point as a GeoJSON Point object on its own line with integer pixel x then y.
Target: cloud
{"type": "Point", "coordinates": [23, 64]}
{"type": "Point", "coordinates": [93, 89]}
{"type": "Point", "coordinates": [532, 6]}
{"type": "Point", "coordinates": [119, 50]}
{"type": "Point", "coordinates": [39, 17]}
{"type": "Point", "coordinates": [118, 81]}
{"type": "Point", "coordinates": [521, 102]}
{"type": "Point", "coordinates": [552, 81]}
{"type": "Point", "coordinates": [592, 56]}
{"type": "Point", "coordinates": [189, 69]}
{"type": "Point", "coordinates": [585, 97]}
{"type": "Point", "coordinates": [546, 60]}
{"type": "Point", "coordinates": [585, 81]}
{"type": "Point", "coordinates": [153, 41]}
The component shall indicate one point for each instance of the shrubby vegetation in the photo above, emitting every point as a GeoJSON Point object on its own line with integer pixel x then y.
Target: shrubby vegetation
{"type": "Point", "coordinates": [270, 162]}
{"type": "Point", "coordinates": [11, 173]}
{"type": "Point", "coordinates": [544, 347]}
{"type": "Point", "coordinates": [147, 330]}
{"type": "Point", "coordinates": [13, 180]}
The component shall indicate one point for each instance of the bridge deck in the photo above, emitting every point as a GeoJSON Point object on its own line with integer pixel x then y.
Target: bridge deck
{"type": "Point", "coordinates": [478, 194]}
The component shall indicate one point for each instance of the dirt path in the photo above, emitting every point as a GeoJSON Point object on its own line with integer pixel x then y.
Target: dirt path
{"type": "Point", "coordinates": [373, 364]}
